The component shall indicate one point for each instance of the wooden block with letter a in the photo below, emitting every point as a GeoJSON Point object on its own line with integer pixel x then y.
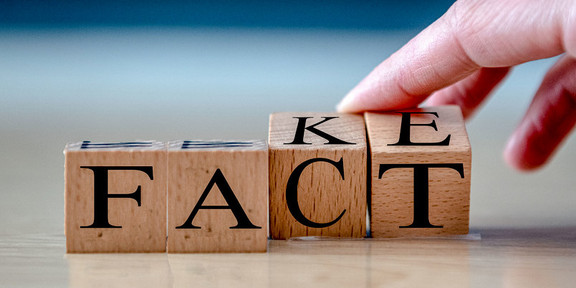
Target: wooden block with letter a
{"type": "Point", "coordinates": [115, 198]}
{"type": "Point", "coordinates": [217, 196]}
{"type": "Point", "coordinates": [421, 162]}
{"type": "Point", "coordinates": [317, 175]}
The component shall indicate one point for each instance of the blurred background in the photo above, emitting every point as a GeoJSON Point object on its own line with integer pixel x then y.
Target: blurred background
{"type": "Point", "coordinates": [128, 70]}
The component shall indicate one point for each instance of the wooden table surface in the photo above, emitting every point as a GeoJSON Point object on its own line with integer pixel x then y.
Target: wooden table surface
{"type": "Point", "coordinates": [484, 258]}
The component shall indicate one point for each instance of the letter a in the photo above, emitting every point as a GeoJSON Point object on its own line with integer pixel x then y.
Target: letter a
{"type": "Point", "coordinates": [233, 204]}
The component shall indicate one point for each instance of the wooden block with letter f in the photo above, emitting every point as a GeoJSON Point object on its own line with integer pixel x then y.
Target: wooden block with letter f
{"type": "Point", "coordinates": [115, 197]}
{"type": "Point", "coordinates": [317, 175]}
{"type": "Point", "coordinates": [421, 162]}
{"type": "Point", "coordinates": [217, 196]}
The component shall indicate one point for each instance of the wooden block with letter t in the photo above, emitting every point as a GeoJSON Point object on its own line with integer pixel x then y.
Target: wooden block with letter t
{"type": "Point", "coordinates": [317, 175]}
{"type": "Point", "coordinates": [115, 197]}
{"type": "Point", "coordinates": [420, 172]}
{"type": "Point", "coordinates": [217, 196]}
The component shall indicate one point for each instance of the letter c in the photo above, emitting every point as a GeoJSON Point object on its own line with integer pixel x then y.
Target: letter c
{"type": "Point", "coordinates": [292, 192]}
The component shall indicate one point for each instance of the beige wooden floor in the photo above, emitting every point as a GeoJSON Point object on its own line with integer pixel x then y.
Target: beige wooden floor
{"type": "Point", "coordinates": [487, 258]}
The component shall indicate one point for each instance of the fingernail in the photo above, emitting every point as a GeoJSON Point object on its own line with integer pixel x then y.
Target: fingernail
{"type": "Point", "coordinates": [515, 155]}
{"type": "Point", "coordinates": [509, 150]}
{"type": "Point", "coordinates": [344, 105]}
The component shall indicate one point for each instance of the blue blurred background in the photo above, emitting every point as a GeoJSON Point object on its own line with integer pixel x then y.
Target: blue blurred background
{"type": "Point", "coordinates": [166, 70]}
{"type": "Point", "coordinates": [337, 14]}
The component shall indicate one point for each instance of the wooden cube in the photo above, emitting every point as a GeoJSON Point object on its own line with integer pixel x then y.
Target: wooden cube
{"type": "Point", "coordinates": [420, 172]}
{"type": "Point", "coordinates": [317, 175]}
{"type": "Point", "coordinates": [217, 196]}
{"type": "Point", "coordinates": [115, 197]}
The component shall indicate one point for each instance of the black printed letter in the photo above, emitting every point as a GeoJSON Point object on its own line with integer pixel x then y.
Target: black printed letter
{"type": "Point", "coordinates": [405, 131]}
{"type": "Point", "coordinates": [101, 192]}
{"type": "Point", "coordinates": [292, 192]}
{"type": "Point", "coordinates": [299, 136]}
{"type": "Point", "coordinates": [233, 204]}
{"type": "Point", "coordinates": [421, 219]}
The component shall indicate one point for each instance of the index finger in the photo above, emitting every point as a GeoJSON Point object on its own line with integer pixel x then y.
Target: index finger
{"type": "Point", "coordinates": [471, 35]}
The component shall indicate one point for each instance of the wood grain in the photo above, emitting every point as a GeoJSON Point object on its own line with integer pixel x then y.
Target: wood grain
{"type": "Point", "coordinates": [392, 195]}
{"type": "Point", "coordinates": [244, 164]}
{"type": "Point", "coordinates": [323, 194]}
{"type": "Point", "coordinates": [143, 227]}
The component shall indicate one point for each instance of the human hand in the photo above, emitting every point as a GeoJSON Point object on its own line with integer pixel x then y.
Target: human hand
{"type": "Point", "coordinates": [462, 56]}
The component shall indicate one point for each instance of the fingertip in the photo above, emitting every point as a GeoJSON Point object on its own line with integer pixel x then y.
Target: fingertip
{"type": "Point", "coordinates": [517, 155]}
{"type": "Point", "coordinates": [548, 121]}
{"type": "Point", "coordinates": [510, 154]}
{"type": "Point", "coordinates": [361, 98]}
{"type": "Point", "coordinates": [346, 105]}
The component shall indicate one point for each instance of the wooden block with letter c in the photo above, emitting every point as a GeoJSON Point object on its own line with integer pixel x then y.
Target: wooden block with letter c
{"type": "Point", "coordinates": [317, 175]}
